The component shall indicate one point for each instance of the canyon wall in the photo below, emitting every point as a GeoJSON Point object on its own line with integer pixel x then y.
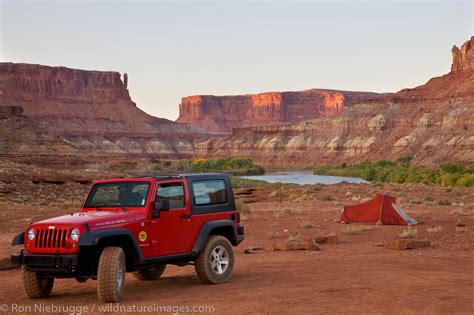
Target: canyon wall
{"type": "Point", "coordinates": [92, 110]}
{"type": "Point", "coordinates": [433, 123]}
{"type": "Point", "coordinates": [223, 113]}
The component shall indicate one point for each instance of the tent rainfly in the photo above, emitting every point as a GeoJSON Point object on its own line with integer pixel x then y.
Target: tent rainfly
{"type": "Point", "coordinates": [380, 210]}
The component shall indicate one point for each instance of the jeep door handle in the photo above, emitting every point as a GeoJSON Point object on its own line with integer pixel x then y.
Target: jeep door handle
{"type": "Point", "coordinates": [185, 216]}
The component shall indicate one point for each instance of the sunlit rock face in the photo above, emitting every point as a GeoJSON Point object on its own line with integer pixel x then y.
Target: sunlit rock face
{"type": "Point", "coordinates": [223, 113]}
{"type": "Point", "coordinates": [92, 110]}
{"type": "Point", "coordinates": [433, 123]}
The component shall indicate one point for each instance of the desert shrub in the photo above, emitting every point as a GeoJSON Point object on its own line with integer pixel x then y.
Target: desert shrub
{"type": "Point", "coordinates": [434, 229]}
{"type": "Point", "coordinates": [465, 181]}
{"type": "Point", "coordinates": [452, 168]}
{"type": "Point", "coordinates": [327, 198]}
{"type": "Point", "coordinates": [242, 207]}
{"type": "Point", "coordinates": [292, 197]}
{"type": "Point", "coordinates": [410, 232]}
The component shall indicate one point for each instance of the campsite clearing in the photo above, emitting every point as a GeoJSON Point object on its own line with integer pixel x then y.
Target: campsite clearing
{"type": "Point", "coordinates": [355, 275]}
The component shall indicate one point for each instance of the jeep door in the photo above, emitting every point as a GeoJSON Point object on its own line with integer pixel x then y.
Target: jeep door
{"type": "Point", "coordinates": [170, 231]}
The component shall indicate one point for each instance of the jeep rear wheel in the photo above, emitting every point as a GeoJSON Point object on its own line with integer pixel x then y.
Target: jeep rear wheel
{"type": "Point", "coordinates": [111, 274]}
{"type": "Point", "coordinates": [216, 261]}
{"type": "Point", "coordinates": [150, 273]}
{"type": "Point", "coordinates": [36, 285]}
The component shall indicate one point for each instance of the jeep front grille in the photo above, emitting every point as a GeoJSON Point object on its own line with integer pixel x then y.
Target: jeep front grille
{"type": "Point", "coordinates": [51, 238]}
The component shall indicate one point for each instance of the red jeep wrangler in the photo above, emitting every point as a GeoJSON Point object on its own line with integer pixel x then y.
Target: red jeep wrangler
{"type": "Point", "coordinates": [135, 225]}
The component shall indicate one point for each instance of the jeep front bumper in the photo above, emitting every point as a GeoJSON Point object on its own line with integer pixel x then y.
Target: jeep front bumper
{"type": "Point", "coordinates": [44, 261]}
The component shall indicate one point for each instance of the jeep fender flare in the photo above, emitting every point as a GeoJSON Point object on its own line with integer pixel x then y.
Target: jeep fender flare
{"type": "Point", "coordinates": [206, 230]}
{"type": "Point", "coordinates": [93, 238]}
{"type": "Point", "coordinates": [19, 239]}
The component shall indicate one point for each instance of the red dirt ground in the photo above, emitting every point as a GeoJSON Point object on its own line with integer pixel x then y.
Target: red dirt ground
{"type": "Point", "coordinates": [357, 275]}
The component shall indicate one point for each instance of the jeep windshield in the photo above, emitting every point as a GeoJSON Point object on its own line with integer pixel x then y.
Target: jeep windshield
{"type": "Point", "coordinates": [118, 194]}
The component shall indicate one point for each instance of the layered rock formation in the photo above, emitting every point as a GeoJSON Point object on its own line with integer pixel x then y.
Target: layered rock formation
{"type": "Point", "coordinates": [223, 113]}
{"type": "Point", "coordinates": [20, 135]}
{"type": "Point", "coordinates": [91, 109]}
{"type": "Point", "coordinates": [434, 123]}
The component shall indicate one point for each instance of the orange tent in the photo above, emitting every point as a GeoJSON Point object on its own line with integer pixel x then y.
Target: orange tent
{"type": "Point", "coordinates": [380, 210]}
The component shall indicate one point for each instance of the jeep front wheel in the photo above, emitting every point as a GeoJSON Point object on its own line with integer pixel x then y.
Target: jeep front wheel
{"type": "Point", "coordinates": [36, 285]}
{"type": "Point", "coordinates": [150, 273]}
{"type": "Point", "coordinates": [216, 261]}
{"type": "Point", "coordinates": [111, 274]}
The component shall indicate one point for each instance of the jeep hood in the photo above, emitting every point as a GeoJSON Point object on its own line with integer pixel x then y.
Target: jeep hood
{"type": "Point", "coordinates": [94, 218]}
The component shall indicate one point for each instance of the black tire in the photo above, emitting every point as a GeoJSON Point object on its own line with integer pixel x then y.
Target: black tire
{"type": "Point", "coordinates": [36, 285]}
{"type": "Point", "coordinates": [207, 263]}
{"type": "Point", "coordinates": [111, 274]}
{"type": "Point", "coordinates": [153, 273]}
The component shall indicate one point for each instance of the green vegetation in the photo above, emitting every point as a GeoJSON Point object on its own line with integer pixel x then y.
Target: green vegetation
{"type": "Point", "coordinates": [402, 171]}
{"type": "Point", "coordinates": [232, 165]}
{"type": "Point", "coordinates": [239, 182]}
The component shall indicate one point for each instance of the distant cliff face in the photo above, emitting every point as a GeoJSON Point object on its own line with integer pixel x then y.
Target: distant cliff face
{"type": "Point", "coordinates": [463, 59]}
{"type": "Point", "coordinates": [223, 113]}
{"type": "Point", "coordinates": [91, 109]}
{"type": "Point", "coordinates": [434, 123]}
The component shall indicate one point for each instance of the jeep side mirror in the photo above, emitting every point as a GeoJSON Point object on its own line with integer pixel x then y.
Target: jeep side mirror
{"type": "Point", "coordinates": [161, 205]}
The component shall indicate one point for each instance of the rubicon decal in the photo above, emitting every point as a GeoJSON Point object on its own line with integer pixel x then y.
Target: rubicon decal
{"type": "Point", "coordinates": [110, 222]}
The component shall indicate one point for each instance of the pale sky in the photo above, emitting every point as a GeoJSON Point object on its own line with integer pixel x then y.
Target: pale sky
{"type": "Point", "coordinates": [176, 49]}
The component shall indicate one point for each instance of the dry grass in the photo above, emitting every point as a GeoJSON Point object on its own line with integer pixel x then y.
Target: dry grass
{"type": "Point", "coordinates": [434, 229]}
{"type": "Point", "coordinates": [327, 198]}
{"type": "Point", "coordinates": [366, 228]}
{"type": "Point", "coordinates": [293, 237]}
{"type": "Point", "coordinates": [306, 225]}
{"type": "Point", "coordinates": [352, 229]}
{"type": "Point", "coordinates": [272, 234]}
{"type": "Point", "coordinates": [410, 232]}
{"type": "Point", "coordinates": [242, 207]}
{"type": "Point", "coordinates": [277, 192]}
{"type": "Point", "coordinates": [444, 202]}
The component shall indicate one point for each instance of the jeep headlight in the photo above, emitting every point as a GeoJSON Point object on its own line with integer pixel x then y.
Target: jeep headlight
{"type": "Point", "coordinates": [75, 234]}
{"type": "Point", "coordinates": [31, 234]}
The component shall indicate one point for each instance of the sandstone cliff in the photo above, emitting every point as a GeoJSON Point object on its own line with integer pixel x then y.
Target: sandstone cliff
{"type": "Point", "coordinates": [434, 123]}
{"type": "Point", "coordinates": [223, 113]}
{"type": "Point", "coordinates": [91, 109]}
